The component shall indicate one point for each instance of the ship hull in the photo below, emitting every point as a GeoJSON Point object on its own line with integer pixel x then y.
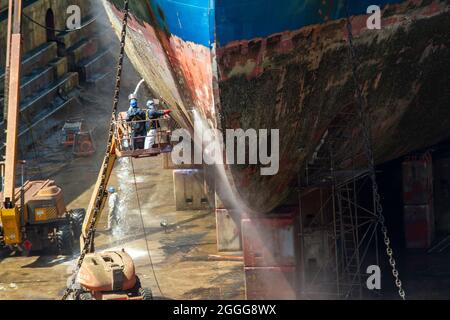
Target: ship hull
{"type": "Point", "coordinates": [287, 67]}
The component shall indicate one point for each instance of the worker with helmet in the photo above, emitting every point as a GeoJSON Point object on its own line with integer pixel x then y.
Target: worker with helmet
{"type": "Point", "coordinates": [136, 117]}
{"type": "Point", "coordinates": [152, 126]}
{"type": "Point", "coordinates": [113, 203]}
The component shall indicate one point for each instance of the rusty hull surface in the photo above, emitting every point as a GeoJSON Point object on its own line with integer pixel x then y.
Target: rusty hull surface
{"type": "Point", "coordinates": [299, 81]}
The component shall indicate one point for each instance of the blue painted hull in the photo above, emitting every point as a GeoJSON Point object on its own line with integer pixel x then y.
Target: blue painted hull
{"type": "Point", "coordinates": [223, 21]}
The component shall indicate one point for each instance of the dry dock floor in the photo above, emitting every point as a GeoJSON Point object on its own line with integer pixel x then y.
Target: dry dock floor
{"type": "Point", "coordinates": [179, 254]}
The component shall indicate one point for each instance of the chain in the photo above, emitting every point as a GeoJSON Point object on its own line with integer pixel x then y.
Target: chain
{"type": "Point", "coordinates": [89, 240]}
{"type": "Point", "coordinates": [371, 162]}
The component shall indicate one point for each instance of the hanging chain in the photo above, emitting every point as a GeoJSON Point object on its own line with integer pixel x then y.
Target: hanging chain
{"type": "Point", "coordinates": [371, 162]}
{"type": "Point", "coordinates": [89, 240]}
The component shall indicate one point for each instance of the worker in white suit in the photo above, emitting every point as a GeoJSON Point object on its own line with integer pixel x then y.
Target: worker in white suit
{"type": "Point", "coordinates": [113, 203]}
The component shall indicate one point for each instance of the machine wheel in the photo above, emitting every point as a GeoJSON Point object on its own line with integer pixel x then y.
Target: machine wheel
{"type": "Point", "coordinates": [139, 291]}
{"type": "Point", "coordinates": [64, 239]}
{"type": "Point", "coordinates": [145, 293]}
{"type": "Point", "coordinates": [77, 219]}
{"type": "Point", "coordinates": [2, 242]}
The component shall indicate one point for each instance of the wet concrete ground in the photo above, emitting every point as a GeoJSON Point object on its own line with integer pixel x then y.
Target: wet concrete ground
{"type": "Point", "coordinates": [179, 255]}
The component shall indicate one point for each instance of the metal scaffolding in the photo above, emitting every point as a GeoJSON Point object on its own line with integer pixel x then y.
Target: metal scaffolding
{"type": "Point", "coordinates": [339, 230]}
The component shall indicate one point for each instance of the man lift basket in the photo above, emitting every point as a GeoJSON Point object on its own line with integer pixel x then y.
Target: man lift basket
{"type": "Point", "coordinates": [125, 139]}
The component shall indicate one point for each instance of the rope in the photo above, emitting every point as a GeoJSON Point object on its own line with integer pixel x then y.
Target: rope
{"type": "Point", "coordinates": [143, 227]}
{"type": "Point", "coordinates": [59, 30]}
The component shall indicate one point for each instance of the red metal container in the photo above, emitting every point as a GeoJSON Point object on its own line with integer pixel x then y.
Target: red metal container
{"type": "Point", "coordinates": [269, 242]}
{"type": "Point", "coordinates": [418, 180]}
{"type": "Point", "coordinates": [271, 283]}
{"type": "Point", "coordinates": [419, 226]}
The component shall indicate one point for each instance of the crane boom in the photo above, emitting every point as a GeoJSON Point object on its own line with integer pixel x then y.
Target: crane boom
{"type": "Point", "coordinates": [14, 59]}
{"type": "Point", "coordinates": [10, 215]}
{"type": "Point", "coordinates": [99, 196]}
{"type": "Point", "coordinates": [8, 56]}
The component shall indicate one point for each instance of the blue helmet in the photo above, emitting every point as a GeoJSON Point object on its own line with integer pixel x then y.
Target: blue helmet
{"type": "Point", "coordinates": [151, 105]}
{"type": "Point", "coordinates": [112, 190]}
{"type": "Point", "coordinates": [133, 103]}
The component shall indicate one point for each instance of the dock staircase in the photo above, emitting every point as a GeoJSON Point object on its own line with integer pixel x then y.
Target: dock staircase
{"type": "Point", "coordinates": [51, 77]}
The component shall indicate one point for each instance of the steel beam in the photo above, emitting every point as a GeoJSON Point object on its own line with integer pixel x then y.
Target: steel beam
{"type": "Point", "coordinates": [15, 50]}
{"type": "Point", "coordinates": [8, 57]}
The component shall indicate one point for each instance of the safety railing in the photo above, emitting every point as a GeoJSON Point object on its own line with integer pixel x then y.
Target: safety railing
{"type": "Point", "coordinates": [142, 138]}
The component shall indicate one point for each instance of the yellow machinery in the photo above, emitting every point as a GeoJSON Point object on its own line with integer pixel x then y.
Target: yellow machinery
{"type": "Point", "coordinates": [33, 216]}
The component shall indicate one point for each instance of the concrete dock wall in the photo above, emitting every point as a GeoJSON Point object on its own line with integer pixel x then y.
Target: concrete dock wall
{"type": "Point", "coordinates": [33, 35]}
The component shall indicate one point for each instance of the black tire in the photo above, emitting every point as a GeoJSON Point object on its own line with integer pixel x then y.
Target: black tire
{"type": "Point", "coordinates": [86, 296]}
{"type": "Point", "coordinates": [64, 239]}
{"type": "Point", "coordinates": [76, 220]}
{"type": "Point", "coordinates": [139, 291]}
{"type": "Point", "coordinates": [137, 285]}
{"type": "Point", "coordinates": [2, 243]}
{"type": "Point", "coordinates": [145, 293]}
